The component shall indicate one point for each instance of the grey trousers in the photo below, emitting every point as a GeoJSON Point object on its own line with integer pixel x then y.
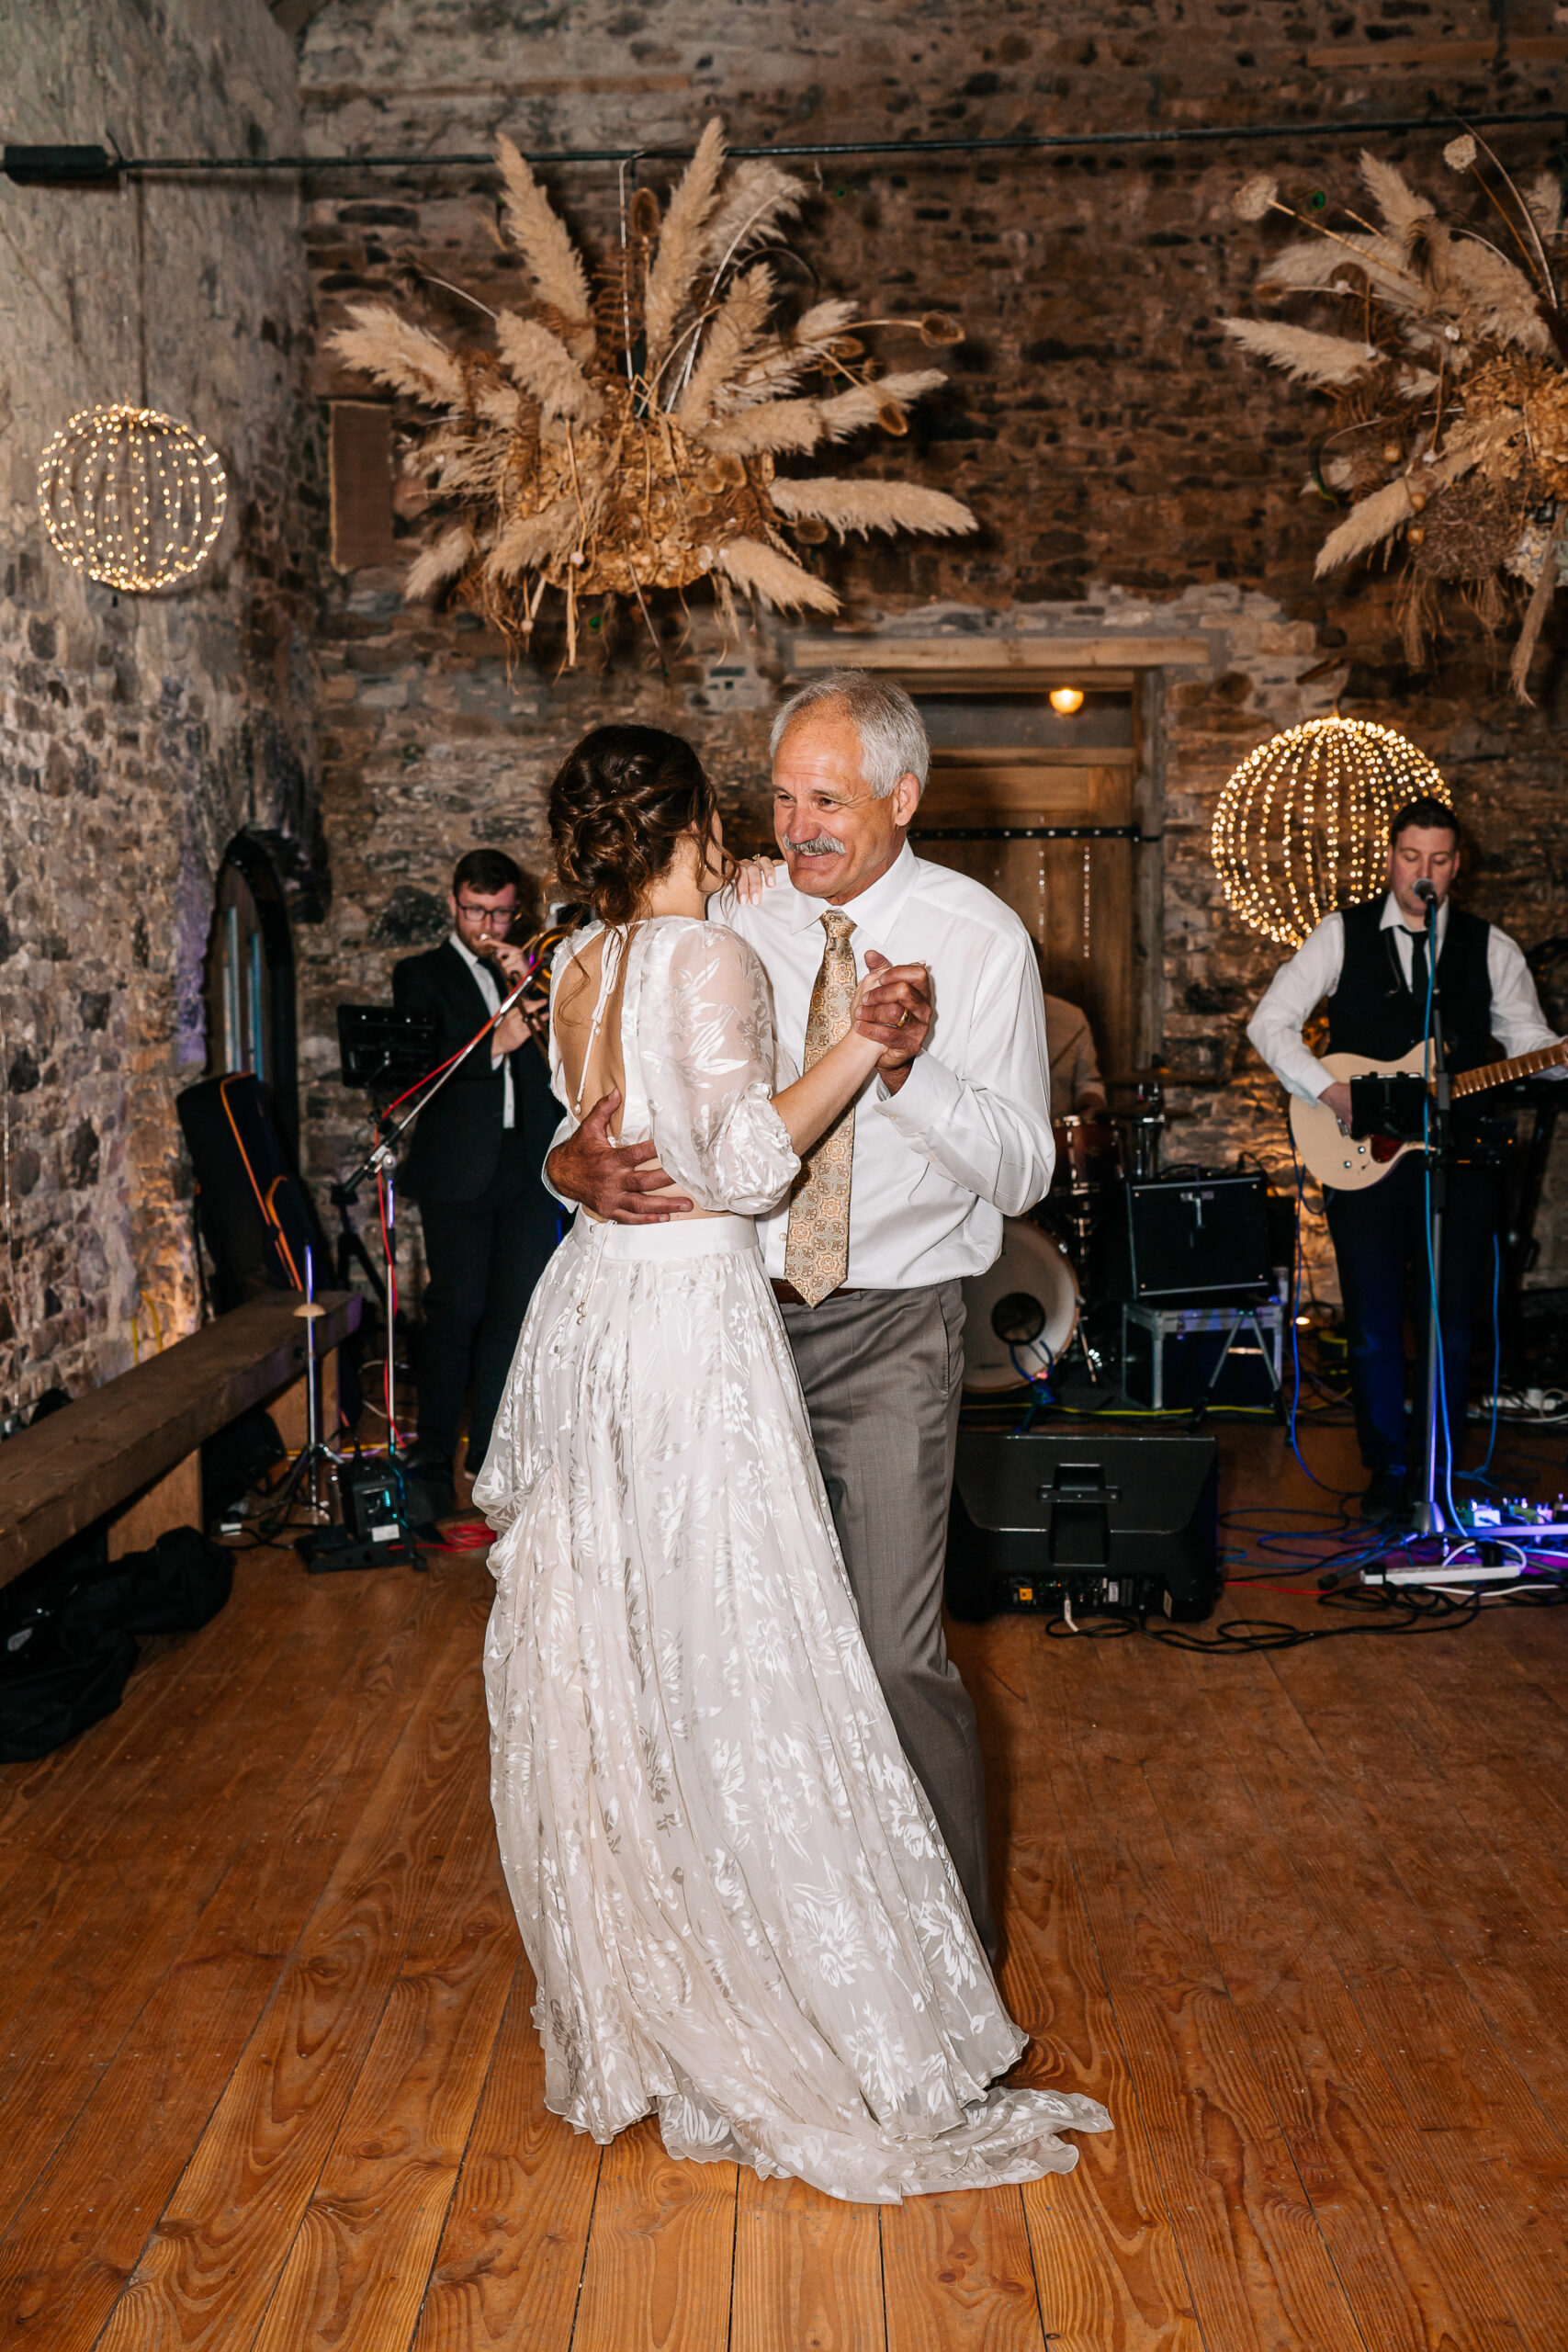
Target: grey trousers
{"type": "Point", "coordinates": [882, 1371]}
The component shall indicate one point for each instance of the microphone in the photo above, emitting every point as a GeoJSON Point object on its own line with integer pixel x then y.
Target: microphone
{"type": "Point", "coordinates": [1425, 891]}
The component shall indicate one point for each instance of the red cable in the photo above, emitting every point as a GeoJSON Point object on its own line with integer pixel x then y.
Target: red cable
{"type": "Point", "coordinates": [394, 1435]}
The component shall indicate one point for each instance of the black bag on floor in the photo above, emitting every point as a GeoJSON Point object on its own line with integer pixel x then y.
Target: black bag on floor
{"type": "Point", "coordinates": [68, 1629]}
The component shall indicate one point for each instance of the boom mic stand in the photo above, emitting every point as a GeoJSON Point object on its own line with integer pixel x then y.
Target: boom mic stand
{"type": "Point", "coordinates": [1430, 1517]}
{"type": "Point", "coordinates": [380, 1161]}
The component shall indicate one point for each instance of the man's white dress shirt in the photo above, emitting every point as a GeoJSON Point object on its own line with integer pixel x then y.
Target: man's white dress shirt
{"type": "Point", "coordinates": [1312, 973]}
{"type": "Point", "coordinates": [485, 975]}
{"type": "Point", "coordinates": [967, 1140]}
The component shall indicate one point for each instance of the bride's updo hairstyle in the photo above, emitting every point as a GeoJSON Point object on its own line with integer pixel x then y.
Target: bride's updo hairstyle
{"type": "Point", "coordinates": [618, 808]}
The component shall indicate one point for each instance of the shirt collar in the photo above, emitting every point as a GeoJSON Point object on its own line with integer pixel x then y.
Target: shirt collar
{"type": "Point", "coordinates": [874, 911]}
{"type": "Point", "coordinates": [1394, 917]}
{"type": "Point", "coordinates": [475, 964]}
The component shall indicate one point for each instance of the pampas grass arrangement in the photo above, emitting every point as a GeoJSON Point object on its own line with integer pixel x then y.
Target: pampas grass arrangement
{"type": "Point", "coordinates": [1448, 378]}
{"type": "Point", "coordinates": [621, 434]}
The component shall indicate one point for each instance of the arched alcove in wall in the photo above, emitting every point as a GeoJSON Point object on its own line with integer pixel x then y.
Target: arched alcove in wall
{"type": "Point", "coordinates": [248, 980]}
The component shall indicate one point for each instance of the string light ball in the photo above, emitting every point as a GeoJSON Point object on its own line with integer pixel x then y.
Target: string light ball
{"type": "Point", "coordinates": [1302, 826]}
{"type": "Point", "coordinates": [131, 497]}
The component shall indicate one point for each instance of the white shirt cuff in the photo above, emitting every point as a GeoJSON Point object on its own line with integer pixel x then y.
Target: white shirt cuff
{"type": "Point", "coordinates": [929, 1095]}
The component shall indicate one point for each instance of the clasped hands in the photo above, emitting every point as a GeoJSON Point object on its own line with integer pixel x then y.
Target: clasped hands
{"type": "Point", "coordinates": [623, 1184]}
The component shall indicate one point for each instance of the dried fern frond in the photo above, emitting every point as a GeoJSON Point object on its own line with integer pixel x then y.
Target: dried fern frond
{"type": "Point", "coordinates": [1306, 357]}
{"type": "Point", "coordinates": [1502, 306]}
{"type": "Point", "coordinates": [762, 571]}
{"type": "Point", "coordinates": [1402, 208]}
{"type": "Point", "coordinates": [1324, 264]}
{"type": "Point", "coordinates": [1377, 517]}
{"type": "Point", "coordinates": [1544, 200]}
{"type": "Point", "coordinates": [774, 373]}
{"type": "Point", "coordinates": [541, 236]}
{"type": "Point", "coordinates": [396, 352]}
{"type": "Point", "coordinates": [430, 570]}
{"type": "Point", "coordinates": [798, 427]}
{"type": "Point", "coordinates": [543, 367]}
{"type": "Point", "coordinates": [758, 198]}
{"type": "Point", "coordinates": [872, 506]}
{"type": "Point", "coordinates": [526, 541]}
{"type": "Point", "coordinates": [680, 251]}
{"type": "Point", "coordinates": [727, 342]}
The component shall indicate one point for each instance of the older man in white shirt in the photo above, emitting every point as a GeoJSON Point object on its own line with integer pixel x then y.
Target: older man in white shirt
{"type": "Point", "coordinates": [902, 1200]}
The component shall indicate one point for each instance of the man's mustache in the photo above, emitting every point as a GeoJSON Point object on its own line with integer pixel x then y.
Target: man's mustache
{"type": "Point", "coordinates": [823, 846]}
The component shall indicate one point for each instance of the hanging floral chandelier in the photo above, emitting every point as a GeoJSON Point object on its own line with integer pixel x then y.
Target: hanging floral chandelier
{"type": "Point", "coordinates": [131, 497]}
{"type": "Point", "coordinates": [623, 436]}
{"type": "Point", "coordinates": [1302, 826]}
{"type": "Point", "coordinates": [1447, 369]}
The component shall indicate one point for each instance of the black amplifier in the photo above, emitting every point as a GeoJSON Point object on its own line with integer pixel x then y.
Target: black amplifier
{"type": "Point", "coordinates": [1125, 1519]}
{"type": "Point", "coordinates": [1191, 1236]}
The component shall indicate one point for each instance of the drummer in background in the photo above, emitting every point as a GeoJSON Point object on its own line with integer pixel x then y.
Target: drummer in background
{"type": "Point", "coordinates": [1076, 1084]}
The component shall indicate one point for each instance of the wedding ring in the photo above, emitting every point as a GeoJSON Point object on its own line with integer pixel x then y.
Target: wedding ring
{"type": "Point", "coordinates": [903, 1016]}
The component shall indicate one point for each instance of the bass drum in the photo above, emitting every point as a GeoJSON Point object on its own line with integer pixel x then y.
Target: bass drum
{"type": "Point", "coordinates": [1022, 1311]}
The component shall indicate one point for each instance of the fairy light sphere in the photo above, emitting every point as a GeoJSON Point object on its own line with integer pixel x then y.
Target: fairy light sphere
{"type": "Point", "coordinates": [1302, 826]}
{"type": "Point", "coordinates": [131, 497]}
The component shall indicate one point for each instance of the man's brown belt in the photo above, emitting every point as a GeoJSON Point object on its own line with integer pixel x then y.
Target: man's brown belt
{"type": "Point", "coordinates": [787, 1295]}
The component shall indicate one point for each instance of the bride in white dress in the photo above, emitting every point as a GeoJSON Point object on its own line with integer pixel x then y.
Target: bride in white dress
{"type": "Point", "coordinates": [730, 1887]}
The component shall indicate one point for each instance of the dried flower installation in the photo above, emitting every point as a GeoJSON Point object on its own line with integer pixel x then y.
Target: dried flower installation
{"type": "Point", "coordinates": [1447, 369]}
{"type": "Point", "coordinates": [622, 436]}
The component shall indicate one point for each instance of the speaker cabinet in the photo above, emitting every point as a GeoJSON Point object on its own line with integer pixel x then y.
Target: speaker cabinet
{"type": "Point", "coordinates": [1192, 1236]}
{"type": "Point", "coordinates": [1102, 1519]}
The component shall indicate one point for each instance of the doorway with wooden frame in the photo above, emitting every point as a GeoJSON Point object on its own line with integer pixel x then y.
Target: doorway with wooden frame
{"type": "Point", "coordinates": [1039, 789]}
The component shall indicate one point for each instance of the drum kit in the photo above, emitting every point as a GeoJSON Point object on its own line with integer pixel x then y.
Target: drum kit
{"type": "Point", "coordinates": [1025, 1313]}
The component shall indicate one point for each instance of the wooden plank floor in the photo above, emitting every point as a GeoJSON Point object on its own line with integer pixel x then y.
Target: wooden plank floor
{"type": "Point", "coordinates": [267, 2077]}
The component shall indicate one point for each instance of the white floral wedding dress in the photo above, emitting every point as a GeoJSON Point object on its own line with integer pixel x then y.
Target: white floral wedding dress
{"type": "Point", "coordinates": [730, 1887]}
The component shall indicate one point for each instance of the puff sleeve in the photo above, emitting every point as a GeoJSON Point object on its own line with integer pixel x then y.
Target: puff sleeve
{"type": "Point", "coordinates": [711, 1072]}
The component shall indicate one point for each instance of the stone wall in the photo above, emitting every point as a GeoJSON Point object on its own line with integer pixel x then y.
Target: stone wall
{"type": "Point", "coordinates": [1127, 469]}
{"type": "Point", "coordinates": [139, 732]}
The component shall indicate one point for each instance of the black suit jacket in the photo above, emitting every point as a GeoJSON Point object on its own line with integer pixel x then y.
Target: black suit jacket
{"type": "Point", "coordinates": [457, 1142]}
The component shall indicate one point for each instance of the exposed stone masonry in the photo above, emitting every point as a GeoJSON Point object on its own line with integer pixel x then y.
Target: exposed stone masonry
{"type": "Point", "coordinates": [139, 732]}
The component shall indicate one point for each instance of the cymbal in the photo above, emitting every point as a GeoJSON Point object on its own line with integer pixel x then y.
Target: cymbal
{"type": "Point", "coordinates": [1159, 1077]}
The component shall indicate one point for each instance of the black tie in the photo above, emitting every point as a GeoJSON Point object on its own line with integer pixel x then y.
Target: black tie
{"type": "Point", "coordinates": [1418, 965]}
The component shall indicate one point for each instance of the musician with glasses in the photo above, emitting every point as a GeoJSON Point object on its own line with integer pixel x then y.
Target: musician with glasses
{"type": "Point", "coordinates": [1369, 962]}
{"type": "Point", "coordinates": [489, 1225]}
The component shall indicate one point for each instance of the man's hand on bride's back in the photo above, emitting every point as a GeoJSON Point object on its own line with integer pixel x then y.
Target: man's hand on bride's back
{"type": "Point", "coordinates": [893, 1007]}
{"type": "Point", "coordinates": [616, 1182]}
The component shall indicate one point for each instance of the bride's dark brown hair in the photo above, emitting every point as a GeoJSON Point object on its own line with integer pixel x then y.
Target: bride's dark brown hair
{"type": "Point", "coordinates": [618, 808]}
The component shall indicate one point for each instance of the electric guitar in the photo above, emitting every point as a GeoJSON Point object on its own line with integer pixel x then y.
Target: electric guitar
{"type": "Point", "coordinates": [1351, 1164]}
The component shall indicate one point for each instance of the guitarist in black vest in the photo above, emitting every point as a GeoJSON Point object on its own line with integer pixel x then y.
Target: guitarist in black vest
{"type": "Point", "coordinates": [1371, 963]}
{"type": "Point", "coordinates": [489, 1225]}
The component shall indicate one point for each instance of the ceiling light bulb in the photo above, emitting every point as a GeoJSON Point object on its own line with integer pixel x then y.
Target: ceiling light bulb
{"type": "Point", "coordinates": [1067, 699]}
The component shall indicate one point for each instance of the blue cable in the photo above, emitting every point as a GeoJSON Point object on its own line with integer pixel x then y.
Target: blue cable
{"type": "Point", "coordinates": [1293, 1305]}
{"type": "Point", "coordinates": [1496, 1352]}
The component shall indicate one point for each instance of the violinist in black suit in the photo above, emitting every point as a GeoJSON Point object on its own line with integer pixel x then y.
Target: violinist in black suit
{"type": "Point", "coordinates": [489, 1225]}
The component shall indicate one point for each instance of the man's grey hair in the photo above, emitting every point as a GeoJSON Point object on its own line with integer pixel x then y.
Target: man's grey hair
{"type": "Point", "coordinates": [892, 735]}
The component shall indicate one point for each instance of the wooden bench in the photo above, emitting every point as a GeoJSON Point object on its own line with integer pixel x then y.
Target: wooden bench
{"type": "Point", "coordinates": [133, 1446]}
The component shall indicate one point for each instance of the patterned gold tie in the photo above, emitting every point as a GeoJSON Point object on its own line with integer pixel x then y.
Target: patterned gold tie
{"type": "Point", "coordinates": [817, 1245]}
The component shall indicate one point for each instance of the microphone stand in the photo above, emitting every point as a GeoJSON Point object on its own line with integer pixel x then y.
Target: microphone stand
{"type": "Point", "coordinates": [381, 1160]}
{"type": "Point", "coordinates": [1430, 1517]}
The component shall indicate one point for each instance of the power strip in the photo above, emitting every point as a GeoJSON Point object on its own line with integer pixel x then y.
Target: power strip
{"type": "Point", "coordinates": [1505, 1572]}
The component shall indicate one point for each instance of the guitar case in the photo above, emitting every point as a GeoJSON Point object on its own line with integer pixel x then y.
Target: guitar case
{"type": "Point", "coordinates": [256, 1218]}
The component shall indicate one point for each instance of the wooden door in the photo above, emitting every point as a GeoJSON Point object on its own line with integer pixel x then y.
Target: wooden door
{"type": "Point", "coordinates": [1074, 896]}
